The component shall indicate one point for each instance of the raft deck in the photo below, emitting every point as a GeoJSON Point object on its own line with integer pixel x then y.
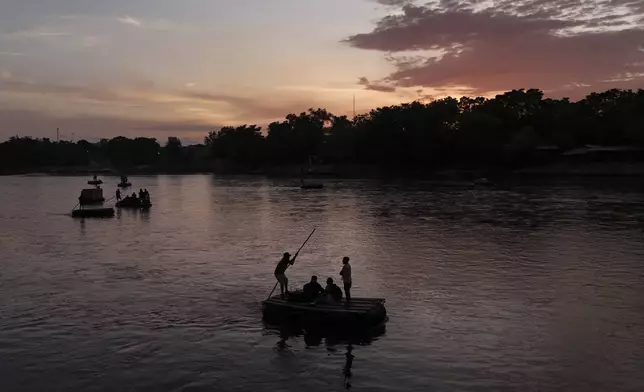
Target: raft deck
{"type": "Point", "coordinates": [358, 312]}
{"type": "Point", "coordinates": [128, 203]}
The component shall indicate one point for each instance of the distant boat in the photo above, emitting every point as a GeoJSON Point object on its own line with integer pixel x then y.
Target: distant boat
{"type": "Point", "coordinates": [91, 196]}
{"type": "Point", "coordinates": [94, 181]}
{"type": "Point", "coordinates": [133, 203]}
{"type": "Point", "coordinates": [106, 212]}
{"type": "Point", "coordinates": [482, 181]}
{"type": "Point", "coordinates": [312, 185]}
{"type": "Point", "coordinates": [124, 182]}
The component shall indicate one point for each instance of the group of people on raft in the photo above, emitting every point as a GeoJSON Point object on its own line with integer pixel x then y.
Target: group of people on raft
{"type": "Point", "coordinates": [313, 291]}
{"type": "Point", "coordinates": [144, 196]}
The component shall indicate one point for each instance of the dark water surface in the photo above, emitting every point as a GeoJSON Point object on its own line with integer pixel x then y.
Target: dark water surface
{"type": "Point", "coordinates": [514, 288]}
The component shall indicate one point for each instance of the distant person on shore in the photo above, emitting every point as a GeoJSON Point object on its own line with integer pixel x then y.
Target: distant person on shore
{"type": "Point", "coordinates": [141, 194]}
{"type": "Point", "coordinates": [312, 290]}
{"type": "Point", "coordinates": [118, 195]}
{"type": "Point", "coordinates": [346, 277]}
{"type": "Point", "coordinates": [280, 270]}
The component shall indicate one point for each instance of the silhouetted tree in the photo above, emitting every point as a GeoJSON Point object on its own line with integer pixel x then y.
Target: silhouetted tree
{"type": "Point", "coordinates": [505, 130]}
{"type": "Point", "coordinates": [243, 145]}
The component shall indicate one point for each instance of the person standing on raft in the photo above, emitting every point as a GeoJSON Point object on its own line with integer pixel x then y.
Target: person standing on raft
{"type": "Point", "coordinates": [346, 277]}
{"type": "Point", "coordinates": [280, 272]}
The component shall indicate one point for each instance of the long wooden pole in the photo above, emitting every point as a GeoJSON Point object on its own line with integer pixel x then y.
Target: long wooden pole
{"type": "Point", "coordinates": [70, 212]}
{"type": "Point", "coordinates": [296, 253]}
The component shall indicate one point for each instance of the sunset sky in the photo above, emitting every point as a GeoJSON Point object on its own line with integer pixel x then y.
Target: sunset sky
{"type": "Point", "coordinates": [156, 68]}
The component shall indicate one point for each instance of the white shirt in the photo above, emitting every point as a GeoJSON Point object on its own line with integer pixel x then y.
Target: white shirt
{"type": "Point", "coordinates": [346, 273]}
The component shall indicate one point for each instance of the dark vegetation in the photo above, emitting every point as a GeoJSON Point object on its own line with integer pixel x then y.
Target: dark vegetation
{"type": "Point", "coordinates": [508, 131]}
{"type": "Point", "coordinates": [120, 154]}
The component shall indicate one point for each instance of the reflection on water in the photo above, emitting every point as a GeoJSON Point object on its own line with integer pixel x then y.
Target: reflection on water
{"type": "Point", "coordinates": [313, 336]}
{"type": "Point", "coordinates": [520, 286]}
{"type": "Point", "coordinates": [333, 341]}
{"type": "Point", "coordinates": [347, 367]}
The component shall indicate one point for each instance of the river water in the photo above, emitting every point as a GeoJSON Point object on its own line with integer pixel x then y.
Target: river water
{"type": "Point", "coordinates": [516, 287]}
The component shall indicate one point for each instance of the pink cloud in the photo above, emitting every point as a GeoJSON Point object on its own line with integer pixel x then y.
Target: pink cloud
{"type": "Point", "coordinates": [550, 45]}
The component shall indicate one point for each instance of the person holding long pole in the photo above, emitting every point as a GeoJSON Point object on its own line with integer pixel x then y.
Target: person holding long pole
{"type": "Point", "coordinates": [282, 265]}
{"type": "Point", "coordinates": [280, 272]}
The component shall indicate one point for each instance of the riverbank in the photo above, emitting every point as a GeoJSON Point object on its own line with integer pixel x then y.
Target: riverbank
{"type": "Point", "coordinates": [608, 169]}
{"type": "Point", "coordinates": [90, 171]}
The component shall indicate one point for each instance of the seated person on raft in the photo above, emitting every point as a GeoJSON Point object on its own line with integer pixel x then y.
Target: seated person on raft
{"type": "Point", "coordinates": [131, 197]}
{"type": "Point", "coordinates": [332, 294]}
{"type": "Point", "coordinates": [312, 289]}
{"type": "Point", "coordinates": [309, 293]}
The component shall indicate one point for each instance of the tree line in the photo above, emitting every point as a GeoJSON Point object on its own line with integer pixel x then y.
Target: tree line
{"type": "Point", "coordinates": [120, 154]}
{"type": "Point", "coordinates": [506, 130]}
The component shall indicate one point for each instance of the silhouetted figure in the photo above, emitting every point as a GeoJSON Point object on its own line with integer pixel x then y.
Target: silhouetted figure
{"type": "Point", "coordinates": [347, 367]}
{"type": "Point", "coordinates": [346, 277]}
{"type": "Point", "coordinates": [332, 293]}
{"type": "Point", "coordinates": [280, 270]}
{"type": "Point", "coordinates": [118, 195]}
{"type": "Point", "coordinates": [134, 196]}
{"type": "Point", "coordinates": [141, 195]}
{"type": "Point", "coordinates": [94, 177]}
{"type": "Point", "coordinates": [312, 290]}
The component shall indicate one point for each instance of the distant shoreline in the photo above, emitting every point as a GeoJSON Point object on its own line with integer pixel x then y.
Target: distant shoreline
{"type": "Point", "coordinates": [371, 171]}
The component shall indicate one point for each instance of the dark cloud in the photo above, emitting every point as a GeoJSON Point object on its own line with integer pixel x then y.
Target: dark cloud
{"type": "Point", "coordinates": [512, 44]}
{"type": "Point", "coordinates": [393, 3]}
{"type": "Point", "coordinates": [422, 29]}
{"type": "Point", "coordinates": [363, 81]}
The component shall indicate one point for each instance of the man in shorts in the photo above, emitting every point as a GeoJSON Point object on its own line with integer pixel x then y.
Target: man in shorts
{"type": "Point", "coordinates": [280, 272]}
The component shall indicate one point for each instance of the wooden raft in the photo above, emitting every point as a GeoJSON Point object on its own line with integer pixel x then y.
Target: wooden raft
{"type": "Point", "coordinates": [356, 306]}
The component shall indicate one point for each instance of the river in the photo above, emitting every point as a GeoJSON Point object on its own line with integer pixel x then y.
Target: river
{"type": "Point", "coordinates": [515, 287]}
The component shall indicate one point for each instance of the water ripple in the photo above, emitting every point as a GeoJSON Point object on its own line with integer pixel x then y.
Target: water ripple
{"type": "Point", "coordinates": [514, 288]}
